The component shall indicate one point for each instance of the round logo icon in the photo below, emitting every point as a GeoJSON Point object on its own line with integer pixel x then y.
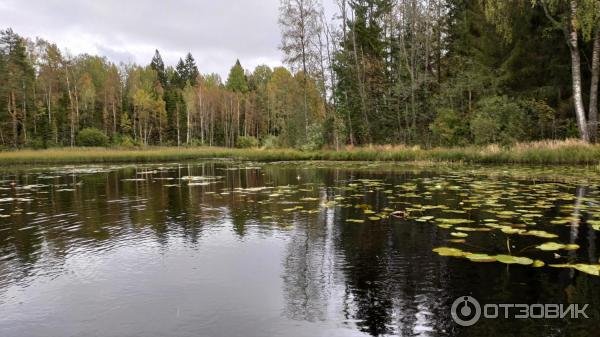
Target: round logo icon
{"type": "Point", "coordinates": [465, 311]}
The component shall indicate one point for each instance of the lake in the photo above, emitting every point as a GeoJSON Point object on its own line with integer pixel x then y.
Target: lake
{"type": "Point", "coordinates": [225, 248]}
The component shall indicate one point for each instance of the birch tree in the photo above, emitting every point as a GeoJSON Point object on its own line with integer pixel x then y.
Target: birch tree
{"type": "Point", "coordinates": [300, 25]}
{"type": "Point", "coordinates": [577, 20]}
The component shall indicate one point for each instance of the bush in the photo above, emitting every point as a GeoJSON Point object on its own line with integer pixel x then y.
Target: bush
{"type": "Point", "coordinates": [37, 143]}
{"type": "Point", "coordinates": [449, 128]}
{"type": "Point", "coordinates": [92, 137]}
{"type": "Point", "coordinates": [244, 142]}
{"type": "Point", "coordinates": [127, 142]}
{"type": "Point", "coordinates": [499, 119]}
{"type": "Point", "coordinates": [315, 139]}
{"type": "Point", "coordinates": [124, 141]}
{"type": "Point", "coordinates": [270, 142]}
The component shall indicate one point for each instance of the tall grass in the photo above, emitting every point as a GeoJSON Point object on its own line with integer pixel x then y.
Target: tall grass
{"type": "Point", "coordinates": [543, 152]}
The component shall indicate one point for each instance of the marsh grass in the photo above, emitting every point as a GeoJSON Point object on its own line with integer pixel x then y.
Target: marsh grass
{"type": "Point", "coordinates": [543, 152]}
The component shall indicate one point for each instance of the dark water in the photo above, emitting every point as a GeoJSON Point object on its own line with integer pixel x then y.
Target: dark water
{"type": "Point", "coordinates": [240, 249]}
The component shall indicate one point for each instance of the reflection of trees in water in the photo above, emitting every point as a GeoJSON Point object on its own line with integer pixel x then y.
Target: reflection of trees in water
{"type": "Point", "coordinates": [307, 270]}
{"type": "Point", "coordinates": [380, 277]}
{"type": "Point", "coordinates": [375, 276]}
{"type": "Point", "coordinates": [395, 285]}
{"type": "Point", "coordinates": [95, 211]}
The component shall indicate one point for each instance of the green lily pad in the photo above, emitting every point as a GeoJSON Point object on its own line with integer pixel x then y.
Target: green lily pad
{"type": "Point", "coordinates": [509, 259]}
{"type": "Point", "coordinates": [552, 246]}
{"type": "Point", "coordinates": [592, 269]}
{"type": "Point", "coordinates": [538, 264]}
{"type": "Point", "coordinates": [456, 240]}
{"type": "Point", "coordinates": [480, 258]}
{"type": "Point", "coordinates": [473, 229]}
{"type": "Point", "coordinates": [459, 234]}
{"type": "Point", "coordinates": [453, 221]}
{"type": "Point", "coordinates": [447, 251]}
{"type": "Point", "coordinates": [511, 230]}
{"type": "Point", "coordinates": [540, 234]}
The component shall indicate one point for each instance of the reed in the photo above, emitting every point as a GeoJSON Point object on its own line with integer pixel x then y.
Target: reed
{"type": "Point", "coordinates": [542, 153]}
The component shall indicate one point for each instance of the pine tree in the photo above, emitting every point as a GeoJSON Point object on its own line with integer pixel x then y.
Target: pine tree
{"type": "Point", "coordinates": [191, 70]}
{"type": "Point", "coordinates": [180, 76]}
{"type": "Point", "coordinates": [236, 81]}
{"type": "Point", "coordinates": [158, 65]}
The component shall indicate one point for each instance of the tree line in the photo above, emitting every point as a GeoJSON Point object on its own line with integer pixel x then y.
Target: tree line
{"type": "Point", "coordinates": [419, 72]}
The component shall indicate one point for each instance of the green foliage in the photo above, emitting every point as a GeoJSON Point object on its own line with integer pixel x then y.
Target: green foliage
{"type": "Point", "coordinates": [270, 142]}
{"type": "Point", "coordinates": [124, 141]}
{"type": "Point", "coordinates": [244, 142]}
{"type": "Point", "coordinates": [449, 128]}
{"type": "Point", "coordinates": [499, 119]}
{"type": "Point", "coordinates": [37, 143]}
{"type": "Point", "coordinates": [315, 138]}
{"type": "Point", "coordinates": [91, 137]}
{"type": "Point", "coordinates": [237, 81]}
{"type": "Point", "coordinates": [475, 71]}
{"type": "Point", "coordinates": [158, 65]}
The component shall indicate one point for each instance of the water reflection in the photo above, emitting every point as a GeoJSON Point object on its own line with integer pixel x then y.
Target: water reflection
{"type": "Point", "coordinates": [225, 248]}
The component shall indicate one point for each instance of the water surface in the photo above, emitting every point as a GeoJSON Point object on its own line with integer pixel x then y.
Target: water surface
{"type": "Point", "coordinates": [244, 249]}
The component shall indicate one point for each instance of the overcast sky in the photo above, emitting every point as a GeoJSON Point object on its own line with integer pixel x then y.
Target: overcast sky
{"type": "Point", "coordinates": [217, 32]}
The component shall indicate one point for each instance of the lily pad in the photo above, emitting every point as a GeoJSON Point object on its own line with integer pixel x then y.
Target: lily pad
{"type": "Point", "coordinates": [480, 257]}
{"type": "Point", "coordinates": [540, 234]}
{"type": "Point", "coordinates": [473, 229]}
{"type": "Point", "coordinates": [538, 264]}
{"type": "Point", "coordinates": [459, 234]}
{"type": "Point", "coordinates": [447, 251]}
{"type": "Point", "coordinates": [552, 246]}
{"type": "Point", "coordinates": [592, 269]}
{"type": "Point", "coordinates": [509, 259]}
{"type": "Point", "coordinates": [454, 221]}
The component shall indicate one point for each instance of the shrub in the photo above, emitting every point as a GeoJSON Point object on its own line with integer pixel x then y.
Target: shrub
{"type": "Point", "coordinates": [127, 142]}
{"type": "Point", "coordinates": [124, 141]}
{"type": "Point", "coordinates": [91, 137]}
{"type": "Point", "coordinates": [449, 128]}
{"type": "Point", "coordinates": [196, 142]}
{"type": "Point", "coordinates": [37, 143]}
{"type": "Point", "coordinates": [499, 119]}
{"type": "Point", "coordinates": [270, 142]}
{"type": "Point", "coordinates": [246, 142]}
{"type": "Point", "coordinates": [315, 139]}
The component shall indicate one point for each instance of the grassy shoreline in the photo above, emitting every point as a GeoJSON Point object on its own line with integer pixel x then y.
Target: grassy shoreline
{"type": "Point", "coordinates": [537, 153]}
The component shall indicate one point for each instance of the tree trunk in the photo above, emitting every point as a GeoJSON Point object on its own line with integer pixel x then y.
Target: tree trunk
{"type": "Point", "coordinates": [12, 110]}
{"type": "Point", "coordinates": [72, 119]}
{"type": "Point", "coordinates": [593, 110]}
{"type": "Point", "coordinates": [361, 85]}
{"type": "Point", "coordinates": [24, 123]}
{"type": "Point", "coordinates": [189, 127]}
{"type": "Point", "coordinates": [114, 113]}
{"type": "Point", "coordinates": [576, 75]}
{"type": "Point", "coordinates": [177, 123]}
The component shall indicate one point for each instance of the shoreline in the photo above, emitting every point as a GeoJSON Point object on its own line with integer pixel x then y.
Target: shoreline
{"type": "Point", "coordinates": [538, 153]}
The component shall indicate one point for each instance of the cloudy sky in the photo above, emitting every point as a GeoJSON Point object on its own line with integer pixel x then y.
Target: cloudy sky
{"type": "Point", "coordinates": [215, 31]}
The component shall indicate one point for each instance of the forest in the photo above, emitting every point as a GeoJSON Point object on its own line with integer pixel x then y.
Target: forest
{"type": "Point", "coordinates": [414, 72]}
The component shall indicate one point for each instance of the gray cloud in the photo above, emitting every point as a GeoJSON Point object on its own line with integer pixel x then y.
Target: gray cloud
{"type": "Point", "coordinates": [216, 32]}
